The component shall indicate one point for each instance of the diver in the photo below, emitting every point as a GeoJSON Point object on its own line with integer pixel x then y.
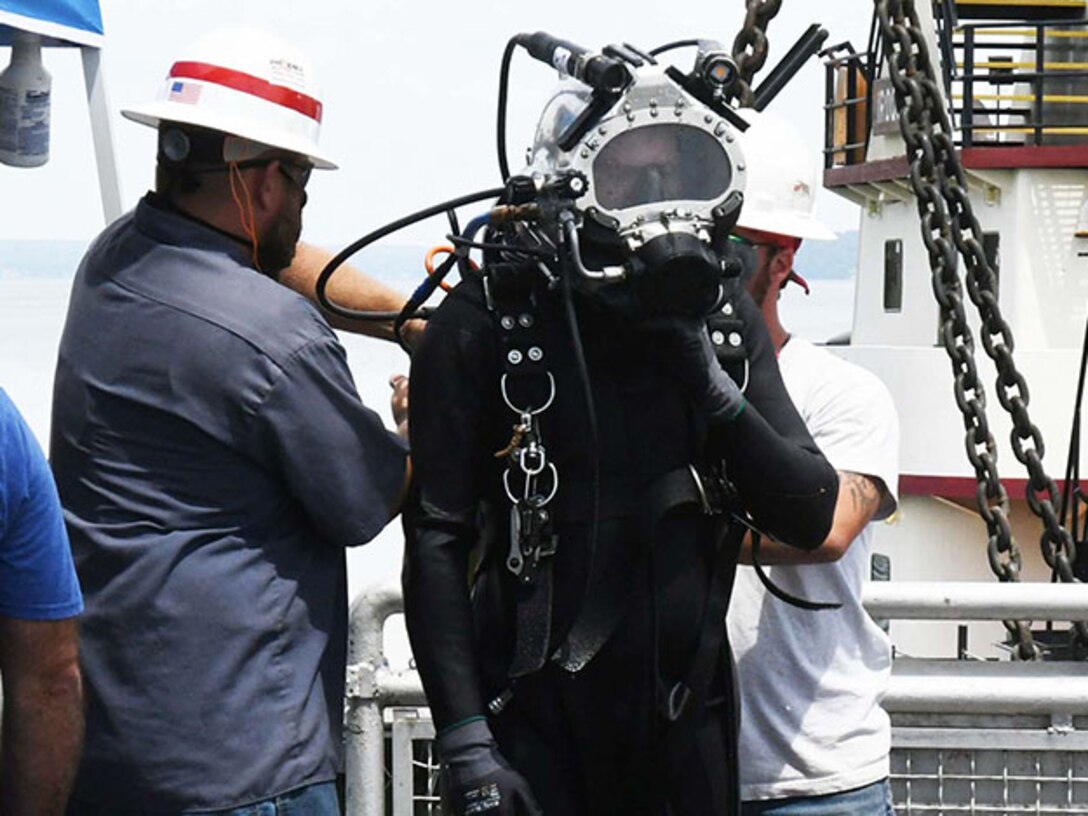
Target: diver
{"type": "Point", "coordinates": [586, 466]}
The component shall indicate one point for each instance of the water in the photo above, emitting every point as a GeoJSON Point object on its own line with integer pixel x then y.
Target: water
{"type": "Point", "coordinates": [33, 302]}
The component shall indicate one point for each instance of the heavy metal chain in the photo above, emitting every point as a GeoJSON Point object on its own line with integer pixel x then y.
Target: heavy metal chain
{"type": "Point", "coordinates": [750, 46]}
{"type": "Point", "coordinates": [948, 225]}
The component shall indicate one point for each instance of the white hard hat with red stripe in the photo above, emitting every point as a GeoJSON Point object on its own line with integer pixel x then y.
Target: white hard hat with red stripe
{"type": "Point", "coordinates": [247, 83]}
{"type": "Point", "coordinates": [780, 194]}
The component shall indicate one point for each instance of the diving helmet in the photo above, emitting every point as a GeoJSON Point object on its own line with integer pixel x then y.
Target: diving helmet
{"type": "Point", "coordinates": [664, 175]}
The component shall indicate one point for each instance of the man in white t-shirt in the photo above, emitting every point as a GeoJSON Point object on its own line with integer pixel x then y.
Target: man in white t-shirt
{"type": "Point", "coordinates": [814, 740]}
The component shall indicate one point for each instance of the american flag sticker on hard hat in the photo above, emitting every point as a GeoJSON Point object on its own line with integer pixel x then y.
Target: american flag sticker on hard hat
{"type": "Point", "coordinates": [185, 92]}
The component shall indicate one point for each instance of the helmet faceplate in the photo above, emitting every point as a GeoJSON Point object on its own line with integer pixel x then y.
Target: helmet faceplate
{"type": "Point", "coordinates": [657, 159]}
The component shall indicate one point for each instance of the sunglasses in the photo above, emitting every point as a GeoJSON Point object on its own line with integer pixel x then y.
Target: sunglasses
{"type": "Point", "coordinates": [785, 243]}
{"type": "Point", "coordinates": [297, 173]}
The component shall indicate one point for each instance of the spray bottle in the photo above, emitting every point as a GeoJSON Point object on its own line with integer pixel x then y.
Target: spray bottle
{"type": "Point", "coordinates": [24, 104]}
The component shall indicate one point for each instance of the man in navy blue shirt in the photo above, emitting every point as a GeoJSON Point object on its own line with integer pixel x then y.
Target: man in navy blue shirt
{"type": "Point", "coordinates": [214, 460]}
{"type": "Point", "coordinates": [39, 603]}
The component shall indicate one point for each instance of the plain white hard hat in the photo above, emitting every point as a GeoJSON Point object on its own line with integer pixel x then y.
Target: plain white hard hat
{"type": "Point", "coordinates": [780, 193]}
{"type": "Point", "coordinates": [247, 83]}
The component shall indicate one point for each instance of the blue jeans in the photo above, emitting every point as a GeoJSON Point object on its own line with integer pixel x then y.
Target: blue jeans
{"type": "Point", "coordinates": [313, 800]}
{"type": "Point", "coordinates": [872, 800]}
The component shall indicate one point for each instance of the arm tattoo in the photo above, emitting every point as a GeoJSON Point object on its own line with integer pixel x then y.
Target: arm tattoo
{"type": "Point", "coordinates": [864, 492]}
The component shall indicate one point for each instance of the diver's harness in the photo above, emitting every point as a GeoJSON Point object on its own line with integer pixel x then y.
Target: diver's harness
{"type": "Point", "coordinates": [531, 481]}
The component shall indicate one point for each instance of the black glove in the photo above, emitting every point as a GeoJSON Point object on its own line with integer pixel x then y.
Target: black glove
{"type": "Point", "coordinates": [476, 778]}
{"type": "Point", "coordinates": [682, 348]}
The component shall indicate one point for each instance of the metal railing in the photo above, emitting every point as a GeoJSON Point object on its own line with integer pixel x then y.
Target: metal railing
{"type": "Point", "coordinates": [847, 106]}
{"type": "Point", "coordinates": [978, 737]}
{"type": "Point", "coordinates": [1010, 84]}
{"type": "Point", "coordinates": [848, 99]}
{"type": "Point", "coordinates": [372, 687]}
{"type": "Point", "coordinates": [1044, 63]}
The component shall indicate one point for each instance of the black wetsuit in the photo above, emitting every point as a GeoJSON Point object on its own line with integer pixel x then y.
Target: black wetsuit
{"type": "Point", "coordinates": [592, 742]}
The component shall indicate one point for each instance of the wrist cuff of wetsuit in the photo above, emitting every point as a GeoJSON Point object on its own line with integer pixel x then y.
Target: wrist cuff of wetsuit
{"type": "Point", "coordinates": [460, 735]}
{"type": "Point", "coordinates": [722, 416]}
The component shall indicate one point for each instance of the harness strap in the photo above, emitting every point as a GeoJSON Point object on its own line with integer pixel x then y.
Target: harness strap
{"type": "Point", "coordinates": [690, 748]}
{"type": "Point", "coordinates": [531, 481]}
{"type": "Point", "coordinates": [605, 607]}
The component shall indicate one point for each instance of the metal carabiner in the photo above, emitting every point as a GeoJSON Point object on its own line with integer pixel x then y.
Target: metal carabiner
{"type": "Point", "coordinates": [506, 486]}
{"type": "Point", "coordinates": [536, 456]}
{"type": "Point", "coordinates": [555, 488]}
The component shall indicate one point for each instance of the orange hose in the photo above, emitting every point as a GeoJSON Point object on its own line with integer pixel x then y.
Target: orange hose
{"type": "Point", "coordinates": [428, 262]}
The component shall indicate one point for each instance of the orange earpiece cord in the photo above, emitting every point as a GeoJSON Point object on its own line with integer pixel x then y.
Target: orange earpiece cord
{"type": "Point", "coordinates": [245, 212]}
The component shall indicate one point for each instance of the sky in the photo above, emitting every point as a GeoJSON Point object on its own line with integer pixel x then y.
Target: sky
{"type": "Point", "coordinates": [410, 92]}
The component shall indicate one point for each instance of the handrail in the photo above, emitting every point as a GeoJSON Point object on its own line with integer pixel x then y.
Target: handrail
{"type": "Point", "coordinates": [371, 685]}
{"type": "Point", "coordinates": [975, 600]}
{"type": "Point", "coordinates": [854, 63]}
{"type": "Point", "coordinates": [919, 686]}
{"type": "Point", "coordinates": [963, 66]}
{"type": "Point", "coordinates": [916, 686]}
{"type": "Point", "coordinates": [969, 70]}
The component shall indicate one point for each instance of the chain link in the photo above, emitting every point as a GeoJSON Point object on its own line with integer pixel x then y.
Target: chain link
{"type": "Point", "coordinates": [750, 46]}
{"type": "Point", "coordinates": [949, 227]}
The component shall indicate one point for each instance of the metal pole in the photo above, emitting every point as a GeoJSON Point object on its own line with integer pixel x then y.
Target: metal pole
{"type": "Point", "coordinates": [967, 115]}
{"type": "Point", "coordinates": [987, 687]}
{"type": "Point", "coordinates": [963, 600]}
{"type": "Point", "coordinates": [364, 752]}
{"type": "Point", "coordinates": [105, 156]}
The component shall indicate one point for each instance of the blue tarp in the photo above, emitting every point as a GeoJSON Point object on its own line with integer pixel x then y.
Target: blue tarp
{"type": "Point", "coordinates": [77, 22]}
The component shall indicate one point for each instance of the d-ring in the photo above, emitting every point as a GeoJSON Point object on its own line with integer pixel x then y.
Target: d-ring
{"type": "Point", "coordinates": [529, 411]}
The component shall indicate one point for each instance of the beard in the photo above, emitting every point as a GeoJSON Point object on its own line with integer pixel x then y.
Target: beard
{"type": "Point", "coordinates": [277, 245]}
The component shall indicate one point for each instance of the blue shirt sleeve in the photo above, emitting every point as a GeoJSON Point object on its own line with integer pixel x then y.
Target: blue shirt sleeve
{"type": "Point", "coordinates": [37, 578]}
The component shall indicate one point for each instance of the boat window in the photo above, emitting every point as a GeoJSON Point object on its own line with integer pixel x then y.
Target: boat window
{"type": "Point", "coordinates": [991, 247]}
{"type": "Point", "coordinates": [893, 275]}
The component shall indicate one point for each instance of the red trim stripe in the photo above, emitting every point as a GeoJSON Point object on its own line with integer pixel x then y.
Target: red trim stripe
{"type": "Point", "coordinates": [247, 83]}
{"type": "Point", "coordinates": [959, 487]}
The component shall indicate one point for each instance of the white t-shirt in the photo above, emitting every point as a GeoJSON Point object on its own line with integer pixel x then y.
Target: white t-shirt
{"type": "Point", "coordinates": [811, 682]}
